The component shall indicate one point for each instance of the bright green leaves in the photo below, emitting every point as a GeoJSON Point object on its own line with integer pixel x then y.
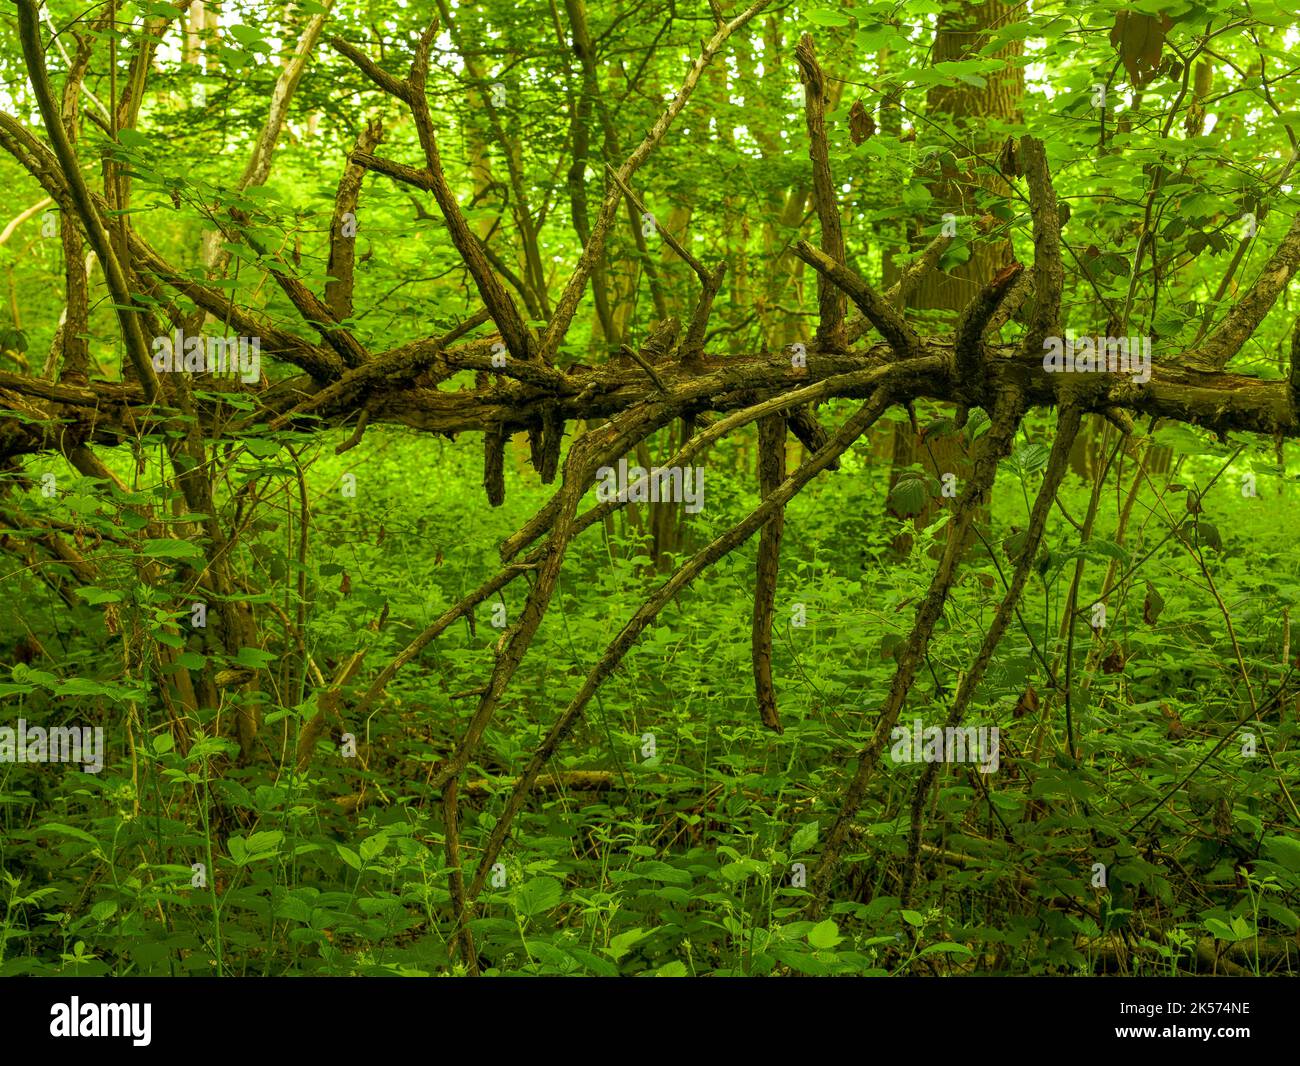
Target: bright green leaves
{"type": "Point", "coordinates": [622, 943]}
{"type": "Point", "coordinates": [536, 896]}
{"type": "Point", "coordinates": [824, 935]}
{"type": "Point", "coordinates": [255, 847]}
{"type": "Point", "coordinates": [828, 17]}
{"type": "Point", "coordinates": [170, 548]}
{"type": "Point", "coordinates": [804, 839]}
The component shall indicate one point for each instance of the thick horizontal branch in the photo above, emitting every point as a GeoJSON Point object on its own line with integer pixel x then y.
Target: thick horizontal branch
{"type": "Point", "coordinates": [407, 386]}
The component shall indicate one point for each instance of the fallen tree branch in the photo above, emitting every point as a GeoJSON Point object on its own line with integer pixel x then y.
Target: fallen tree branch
{"type": "Point", "coordinates": [1058, 462]}
{"type": "Point", "coordinates": [852, 430]}
{"type": "Point", "coordinates": [993, 446]}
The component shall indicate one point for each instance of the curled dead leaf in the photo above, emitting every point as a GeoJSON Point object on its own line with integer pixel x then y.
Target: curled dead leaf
{"type": "Point", "coordinates": [1139, 39]}
{"type": "Point", "coordinates": [1222, 819]}
{"type": "Point", "coordinates": [1152, 605]}
{"type": "Point", "coordinates": [1173, 722]}
{"type": "Point", "coordinates": [861, 124]}
{"type": "Point", "coordinates": [1028, 702]}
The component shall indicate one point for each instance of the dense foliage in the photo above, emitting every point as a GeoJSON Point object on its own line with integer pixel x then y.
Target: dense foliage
{"type": "Point", "coordinates": [294, 784]}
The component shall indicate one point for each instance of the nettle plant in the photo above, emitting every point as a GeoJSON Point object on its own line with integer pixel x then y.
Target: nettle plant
{"type": "Point", "coordinates": [231, 449]}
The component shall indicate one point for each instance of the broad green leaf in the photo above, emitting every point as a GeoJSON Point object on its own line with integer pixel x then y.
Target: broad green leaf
{"type": "Point", "coordinates": [824, 935]}
{"type": "Point", "coordinates": [167, 548]}
{"type": "Point", "coordinates": [537, 896]}
{"type": "Point", "coordinates": [804, 839]}
{"type": "Point", "coordinates": [372, 846]}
